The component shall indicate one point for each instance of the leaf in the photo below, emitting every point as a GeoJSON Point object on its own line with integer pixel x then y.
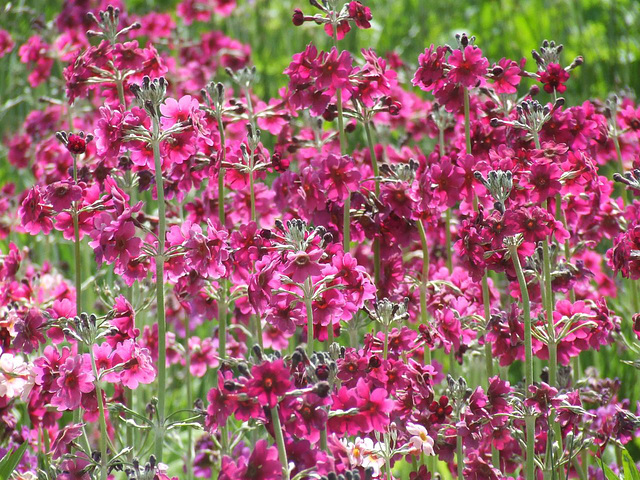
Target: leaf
{"type": "Point", "coordinates": [10, 461]}
{"type": "Point", "coordinates": [630, 469]}
{"type": "Point", "coordinates": [608, 473]}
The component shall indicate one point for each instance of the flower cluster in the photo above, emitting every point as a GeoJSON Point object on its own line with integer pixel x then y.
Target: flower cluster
{"type": "Point", "coordinates": [352, 279]}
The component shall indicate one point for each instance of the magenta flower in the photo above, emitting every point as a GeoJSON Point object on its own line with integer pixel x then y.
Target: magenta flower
{"type": "Point", "coordinates": [62, 194]}
{"type": "Point", "coordinates": [35, 215]}
{"type": "Point", "coordinates": [339, 176]}
{"type": "Point", "coordinates": [554, 78]}
{"type": "Point", "coordinates": [136, 362]}
{"type": "Point", "coordinates": [269, 381]}
{"type": "Point", "coordinates": [508, 78]}
{"type": "Point", "coordinates": [360, 14]}
{"type": "Point", "coordinates": [467, 67]}
{"type": "Point", "coordinates": [431, 70]}
{"type": "Point", "coordinates": [29, 334]}
{"type": "Point", "coordinates": [74, 380]}
{"type": "Point", "coordinates": [333, 71]}
{"type": "Point", "coordinates": [374, 405]}
{"type": "Point", "coordinates": [301, 265]}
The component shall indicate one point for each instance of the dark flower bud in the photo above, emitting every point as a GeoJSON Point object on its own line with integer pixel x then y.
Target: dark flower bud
{"type": "Point", "coordinates": [322, 389]}
{"type": "Point", "coordinates": [534, 90]}
{"type": "Point", "coordinates": [298, 17]}
{"type": "Point", "coordinates": [257, 351]}
{"type": "Point", "coordinates": [374, 361]}
{"type": "Point", "coordinates": [265, 233]}
{"type": "Point", "coordinates": [350, 127]}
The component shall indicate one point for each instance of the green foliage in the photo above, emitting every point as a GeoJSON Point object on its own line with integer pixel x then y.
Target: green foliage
{"type": "Point", "coordinates": [10, 461]}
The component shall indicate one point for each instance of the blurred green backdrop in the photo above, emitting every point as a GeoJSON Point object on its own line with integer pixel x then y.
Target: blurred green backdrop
{"type": "Point", "coordinates": [603, 31]}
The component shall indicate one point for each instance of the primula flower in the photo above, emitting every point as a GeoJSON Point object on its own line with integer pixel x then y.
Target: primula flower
{"type": "Point", "coordinates": [374, 405]}
{"type": "Point", "coordinates": [269, 381]}
{"type": "Point", "coordinates": [431, 70]}
{"type": "Point", "coordinates": [74, 380]}
{"type": "Point", "coordinates": [554, 78]}
{"type": "Point", "coordinates": [333, 70]}
{"type": "Point", "coordinates": [468, 66]}
{"type": "Point", "coordinates": [136, 363]}
{"type": "Point", "coordinates": [65, 437]}
{"type": "Point", "coordinates": [509, 78]}
{"type": "Point", "coordinates": [35, 215]}
{"type": "Point", "coordinates": [6, 43]}
{"type": "Point", "coordinates": [29, 335]}
{"type": "Point", "coordinates": [360, 14]}
{"type": "Point", "coordinates": [62, 194]}
{"type": "Point", "coordinates": [421, 441]}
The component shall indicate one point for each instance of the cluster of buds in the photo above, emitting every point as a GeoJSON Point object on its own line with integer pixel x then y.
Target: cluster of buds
{"type": "Point", "coordinates": [76, 143]}
{"type": "Point", "coordinates": [86, 329]}
{"type": "Point", "coordinates": [388, 313]}
{"type": "Point", "coordinates": [630, 179]}
{"type": "Point", "coordinates": [108, 25]}
{"type": "Point", "coordinates": [531, 116]}
{"type": "Point", "coordinates": [499, 185]}
{"type": "Point", "coordinates": [349, 475]}
{"type": "Point", "coordinates": [443, 119]}
{"type": "Point", "coordinates": [459, 393]}
{"type": "Point", "coordinates": [142, 472]}
{"type": "Point", "coordinates": [150, 94]}
{"type": "Point", "coordinates": [464, 40]}
{"type": "Point", "coordinates": [297, 236]}
{"type": "Point", "coordinates": [400, 172]}
{"type": "Point", "coordinates": [550, 54]}
{"type": "Point", "coordinates": [353, 11]}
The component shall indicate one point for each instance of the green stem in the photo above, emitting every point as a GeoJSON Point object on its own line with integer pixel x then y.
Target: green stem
{"type": "Point", "coordinates": [460, 457]}
{"type": "Point", "coordinates": [309, 307]}
{"type": "Point", "coordinates": [162, 327]}
{"type": "Point", "coordinates": [282, 452]}
{"type": "Point", "coordinates": [385, 348]}
{"type": "Point", "coordinates": [221, 172]}
{"type": "Point", "coordinates": [187, 334]}
{"type": "Point", "coordinates": [103, 421]}
{"type": "Point", "coordinates": [76, 243]}
{"type": "Point", "coordinates": [424, 315]}
{"type": "Point", "coordinates": [346, 224]}
{"type": "Point", "coordinates": [376, 173]}
{"type": "Point", "coordinates": [528, 360]}
{"type": "Point", "coordinates": [467, 121]}
{"type": "Point", "coordinates": [486, 300]}
{"type": "Point", "coordinates": [447, 233]}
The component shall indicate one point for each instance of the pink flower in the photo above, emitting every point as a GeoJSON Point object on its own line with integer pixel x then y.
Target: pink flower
{"type": "Point", "coordinates": [6, 43]}
{"type": "Point", "coordinates": [508, 79]}
{"type": "Point", "coordinates": [178, 111]}
{"type": "Point", "coordinates": [74, 380]}
{"type": "Point", "coordinates": [554, 78]}
{"type": "Point", "coordinates": [333, 71]}
{"type": "Point", "coordinates": [35, 215]}
{"type": "Point", "coordinates": [374, 405]}
{"type": "Point", "coordinates": [468, 66]}
{"type": "Point", "coordinates": [269, 381]}
{"type": "Point", "coordinates": [63, 194]}
{"type": "Point", "coordinates": [360, 14]}
{"type": "Point", "coordinates": [431, 70]}
{"type": "Point", "coordinates": [137, 364]}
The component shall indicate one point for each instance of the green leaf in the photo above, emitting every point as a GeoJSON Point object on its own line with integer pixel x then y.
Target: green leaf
{"type": "Point", "coordinates": [10, 461]}
{"type": "Point", "coordinates": [608, 473]}
{"type": "Point", "coordinates": [630, 469]}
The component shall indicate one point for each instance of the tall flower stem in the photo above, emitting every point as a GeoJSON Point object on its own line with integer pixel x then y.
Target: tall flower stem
{"type": "Point", "coordinates": [467, 121]}
{"type": "Point", "coordinates": [309, 307]}
{"type": "Point", "coordinates": [528, 360]}
{"type": "Point", "coordinates": [423, 284]}
{"type": "Point", "coordinates": [162, 326]}
{"type": "Point", "coordinates": [222, 300]}
{"type": "Point", "coordinates": [460, 457]}
{"type": "Point", "coordinates": [103, 421]}
{"type": "Point", "coordinates": [76, 243]}
{"type": "Point", "coordinates": [448, 242]}
{"type": "Point", "coordinates": [376, 173]}
{"type": "Point", "coordinates": [282, 452]}
{"type": "Point", "coordinates": [187, 334]}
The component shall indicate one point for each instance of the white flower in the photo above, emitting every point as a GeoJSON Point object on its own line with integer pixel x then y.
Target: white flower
{"type": "Point", "coordinates": [364, 453]}
{"type": "Point", "coordinates": [16, 376]}
{"type": "Point", "coordinates": [420, 441]}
